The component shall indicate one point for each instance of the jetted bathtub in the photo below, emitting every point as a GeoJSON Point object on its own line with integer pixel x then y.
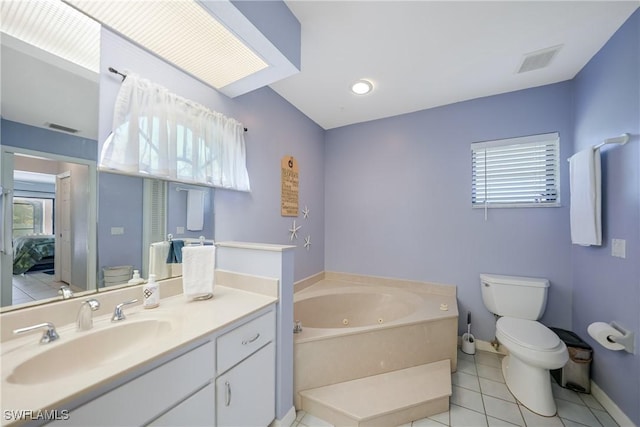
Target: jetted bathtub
{"type": "Point", "coordinates": [354, 327]}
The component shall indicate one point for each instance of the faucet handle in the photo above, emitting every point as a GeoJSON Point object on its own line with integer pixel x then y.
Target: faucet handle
{"type": "Point", "coordinates": [49, 334]}
{"type": "Point", "coordinates": [118, 313]}
{"type": "Point", "coordinates": [93, 304]}
{"type": "Point", "coordinates": [66, 292]}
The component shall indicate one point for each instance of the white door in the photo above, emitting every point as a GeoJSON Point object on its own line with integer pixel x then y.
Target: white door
{"type": "Point", "coordinates": [6, 229]}
{"type": "Point", "coordinates": [63, 257]}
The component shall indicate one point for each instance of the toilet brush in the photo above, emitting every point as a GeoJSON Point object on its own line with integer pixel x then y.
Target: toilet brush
{"type": "Point", "coordinates": [468, 340]}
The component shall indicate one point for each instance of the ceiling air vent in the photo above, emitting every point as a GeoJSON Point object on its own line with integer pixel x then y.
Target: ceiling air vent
{"type": "Point", "coordinates": [55, 126]}
{"type": "Point", "coordinates": [538, 59]}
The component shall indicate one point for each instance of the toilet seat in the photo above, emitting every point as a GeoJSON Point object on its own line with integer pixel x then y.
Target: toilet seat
{"type": "Point", "coordinates": [528, 333]}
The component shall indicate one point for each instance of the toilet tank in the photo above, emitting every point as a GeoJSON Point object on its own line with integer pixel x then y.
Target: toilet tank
{"type": "Point", "coordinates": [514, 296]}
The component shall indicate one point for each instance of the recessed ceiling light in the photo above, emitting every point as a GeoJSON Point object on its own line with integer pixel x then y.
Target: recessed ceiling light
{"type": "Point", "coordinates": [362, 87]}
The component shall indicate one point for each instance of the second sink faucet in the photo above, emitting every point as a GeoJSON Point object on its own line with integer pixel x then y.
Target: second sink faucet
{"type": "Point", "coordinates": [84, 321]}
{"type": "Point", "coordinates": [118, 312]}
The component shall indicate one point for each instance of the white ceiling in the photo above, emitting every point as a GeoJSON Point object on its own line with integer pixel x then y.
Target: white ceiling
{"type": "Point", "coordinates": [423, 54]}
{"type": "Point", "coordinates": [39, 88]}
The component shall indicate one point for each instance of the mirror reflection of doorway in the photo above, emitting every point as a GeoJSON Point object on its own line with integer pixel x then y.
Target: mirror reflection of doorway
{"type": "Point", "coordinates": [35, 198]}
{"type": "Point", "coordinates": [48, 226]}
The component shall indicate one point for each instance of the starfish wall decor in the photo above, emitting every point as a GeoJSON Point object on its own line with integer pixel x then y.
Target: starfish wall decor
{"type": "Point", "coordinates": [294, 230]}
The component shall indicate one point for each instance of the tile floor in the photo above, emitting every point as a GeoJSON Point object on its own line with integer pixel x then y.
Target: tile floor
{"type": "Point", "coordinates": [34, 286]}
{"type": "Point", "coordinates": [480, 398]}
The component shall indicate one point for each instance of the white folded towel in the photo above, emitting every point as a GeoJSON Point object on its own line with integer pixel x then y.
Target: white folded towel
{"type": "Point", "coordinates": [195, 210]}
{"type": "Point", "coordinates": [586, 210]}
{"type": "Point", "coordinates": [158, 260]}
{"type": "Point", "coordinates": [198, 265]}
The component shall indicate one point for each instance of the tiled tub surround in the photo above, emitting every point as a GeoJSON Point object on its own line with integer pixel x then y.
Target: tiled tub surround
{"type": "Point", "coordinates": [390, 325]}
{"type": "Point", "coordinates": [190, 321]}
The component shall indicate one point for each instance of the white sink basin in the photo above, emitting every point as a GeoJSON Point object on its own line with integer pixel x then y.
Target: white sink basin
{"type": "Point", "coordinates": [88, 350]}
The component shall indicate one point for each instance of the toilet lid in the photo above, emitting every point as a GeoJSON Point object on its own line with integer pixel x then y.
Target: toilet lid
{"type": "Point", "coordinates": [528, 333]}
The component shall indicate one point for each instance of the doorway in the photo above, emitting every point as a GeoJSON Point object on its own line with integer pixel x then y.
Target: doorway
{"type": "Point", "coordinates": [59, 234]}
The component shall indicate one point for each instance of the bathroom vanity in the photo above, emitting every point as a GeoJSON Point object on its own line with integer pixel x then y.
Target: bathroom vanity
{"type": "Point", "coordinates": [185, 363]}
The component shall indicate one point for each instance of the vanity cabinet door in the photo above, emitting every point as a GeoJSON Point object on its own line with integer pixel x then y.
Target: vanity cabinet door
{"type": "Point", "coordinates": [245, 395]}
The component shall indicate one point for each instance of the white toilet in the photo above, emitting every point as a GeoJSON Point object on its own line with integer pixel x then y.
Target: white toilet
{"type": "Point", "coordinates": [533, 348]}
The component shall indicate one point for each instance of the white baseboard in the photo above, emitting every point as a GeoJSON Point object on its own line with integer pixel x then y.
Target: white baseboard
{"type": "Point", "coordinates": [287, 420]}
{"type": "Point", "coordinates": [611, 407]}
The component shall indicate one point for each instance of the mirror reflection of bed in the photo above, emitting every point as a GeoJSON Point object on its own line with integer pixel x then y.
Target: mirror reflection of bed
{"type": "Point", "coordinates": [41, 212]}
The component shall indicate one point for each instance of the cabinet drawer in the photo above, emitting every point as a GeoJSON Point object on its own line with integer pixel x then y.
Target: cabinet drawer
{"type": "Point", "coordinates": [244, 340]}
{"type": "Point", "coordinates": [145, 397]}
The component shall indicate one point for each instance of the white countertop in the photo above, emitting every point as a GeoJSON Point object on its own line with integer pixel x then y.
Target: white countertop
{"type": "Point", "coordinates": [190, 320]}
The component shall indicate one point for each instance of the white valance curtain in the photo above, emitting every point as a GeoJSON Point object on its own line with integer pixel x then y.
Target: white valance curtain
{"type": "Point", "coordinates": [159, 134]}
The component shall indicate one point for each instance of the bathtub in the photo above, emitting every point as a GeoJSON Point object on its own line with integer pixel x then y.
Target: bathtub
{"type": "Point", "coordinates": [354, 327]}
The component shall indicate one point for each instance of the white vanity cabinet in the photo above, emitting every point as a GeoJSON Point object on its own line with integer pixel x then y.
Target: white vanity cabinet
{"type": "Point", "coordinates": [151, 394]}
{"type": "Point", "coordinates": [227, 380]}
{"type": "Point", "coordinates": [245, 385]}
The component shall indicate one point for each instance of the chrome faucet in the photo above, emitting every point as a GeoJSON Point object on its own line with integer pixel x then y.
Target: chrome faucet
{"type": "Point", "coordinates": [66, 292]}
{"type": "Point", "coordinates": [84, 321]}
{"type": "Point", "coordinates": [118, 313]}
{"type": "Point", "coordinates": [49, 335]}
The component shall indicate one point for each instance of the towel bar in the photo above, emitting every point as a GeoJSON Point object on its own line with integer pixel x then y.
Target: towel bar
{"type": "Point", "coordinates": [622, 139]}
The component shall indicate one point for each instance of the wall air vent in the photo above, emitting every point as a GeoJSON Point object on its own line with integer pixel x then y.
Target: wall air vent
{"type": "Point", "coordinates": [538, 59]}
{"type": "Point", "coordinates": [61, 128]}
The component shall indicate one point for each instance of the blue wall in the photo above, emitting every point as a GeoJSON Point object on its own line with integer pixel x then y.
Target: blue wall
{"type": "Point", "coordinates": [119, 205]}
{"type": "Point", "coordinates": [47, 141]}
{"type": "Point", "coordinates": [398, 201]}
{"type": "Point", "coordinates": [607, 104]}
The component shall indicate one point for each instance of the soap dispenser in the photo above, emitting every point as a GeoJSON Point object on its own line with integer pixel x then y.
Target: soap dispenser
{"type": "Point", "coordinates": [151, 293]}
{"type": "Point", "coordinates": [136, 279]}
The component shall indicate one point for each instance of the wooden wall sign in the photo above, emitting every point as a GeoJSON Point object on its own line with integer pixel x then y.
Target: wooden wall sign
{"type": "Point", "coordinates": [289, 186]}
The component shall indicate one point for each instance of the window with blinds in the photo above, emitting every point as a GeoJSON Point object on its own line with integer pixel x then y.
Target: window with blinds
{"type": "Point", "coordinates": [516, 172]}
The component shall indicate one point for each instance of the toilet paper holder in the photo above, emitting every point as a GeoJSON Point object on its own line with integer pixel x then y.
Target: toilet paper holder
{"type": "Point", "coordinates": [627, 339]}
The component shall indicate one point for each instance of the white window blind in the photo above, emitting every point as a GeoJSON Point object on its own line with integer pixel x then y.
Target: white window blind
{"type": "Point", "coordinates": [516, 172]}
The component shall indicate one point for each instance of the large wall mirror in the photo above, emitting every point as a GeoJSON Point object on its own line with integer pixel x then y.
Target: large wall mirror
{"type": "Point", "coordinates": [49, 131]}
{"type": "Point", "coordinates": [63, 222]}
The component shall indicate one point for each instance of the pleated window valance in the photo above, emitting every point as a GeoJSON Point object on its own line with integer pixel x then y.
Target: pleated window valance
{"type": "Point", "coordinates": [159, 134]}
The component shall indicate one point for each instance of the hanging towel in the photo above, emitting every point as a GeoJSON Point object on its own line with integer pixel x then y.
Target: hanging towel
{"type": "Point", "coordinates": [585, 211]}
{"type": "Point", "coordinates": [198, 265]}
{"type": "Point", "coordinates": [158, 253]}
{"type": "Point", "coordinates": [195, 210]}
{"type": "Point", "coordinates": [175, 252]}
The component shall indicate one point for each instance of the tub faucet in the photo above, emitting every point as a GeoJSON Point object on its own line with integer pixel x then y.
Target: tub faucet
{"type": "Point", "coordinates": [84, 321]}
{"type": "Point", "coordinates": [297, 327]}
